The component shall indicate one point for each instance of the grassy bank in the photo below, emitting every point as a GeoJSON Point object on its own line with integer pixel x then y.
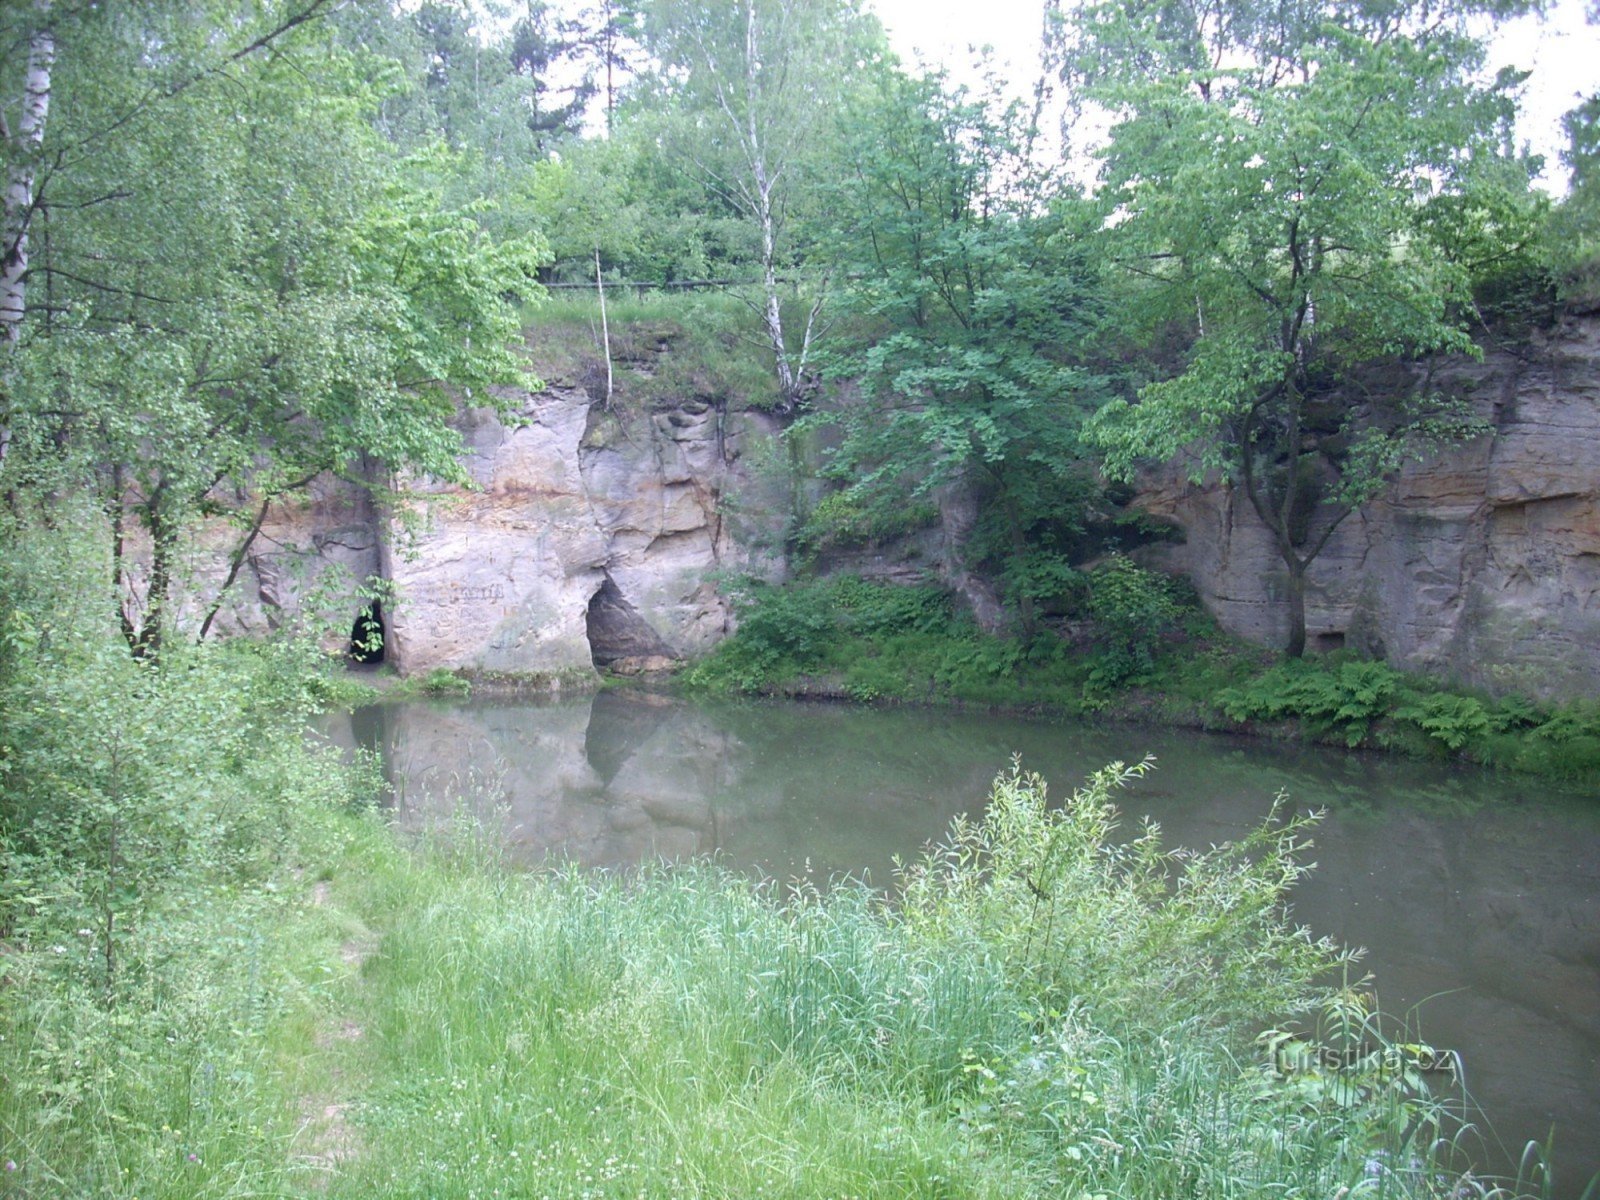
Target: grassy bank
{"type": "Point", "coordinates": [1138, 654]}
{"type": "Point", "coordinates": [1043, 1015]}
{"type": "Point", "coordinates": [663, 347]}
{"type": "Point", "coordinates": [223, 974]}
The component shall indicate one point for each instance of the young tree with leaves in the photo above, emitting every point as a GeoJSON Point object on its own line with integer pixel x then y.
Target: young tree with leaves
{"type": "Point", "coordinates": [1268, 186]}
{"type": "Point", "coordinates": [971, 310]}
{"type": "Point", "coordinates": [752, 83]}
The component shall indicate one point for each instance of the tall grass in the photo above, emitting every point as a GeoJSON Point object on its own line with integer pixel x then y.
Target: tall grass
{"type": "Point", "coordinates": [684, 1032]}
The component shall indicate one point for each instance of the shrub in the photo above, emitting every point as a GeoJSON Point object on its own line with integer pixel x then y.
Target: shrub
{"type": "Point", "coordinates": [1346, 698]}
{"type": "Point", "coordinates": [1158, 938]}
{"type": "Point", "coordinates": [1133, 609]}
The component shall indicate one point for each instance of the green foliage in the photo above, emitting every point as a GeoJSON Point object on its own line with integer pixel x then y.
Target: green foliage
{"type": "Point", "coordinates": [794, 625]}
{"type": "Point", "coordinates": [1370, 703]}
{"type": "Point", "coordinates": [964, 328]}
{"type": "Point", "coordinates": [843, 519]}
{"type": "Point", "coordinates": [1157, 940]}
{"type": "Point", "coordinates": [1147, 652]}
{"type": "Point", "coordinates": [746, 91]}
{"type": "Point", "coordinates": [1455, 721]}
{"type": "Point", "coordinates": [1345, 699]}
{"type": "Point", "coordinates": [1571, 246]}
{"type": "Point", "coordinates": [443, 682]}
{"type": "Point", "coordinates": [1134, 610]}
{"type": "Point", "coordinates": [651, 220]}
{"type": "Point", "coordinates": [1286, 188]}
{"type": "Point", "coordinates": [1044, 991]}
{"type": "Point", "coordinates": [682, 1032]}
{"type": "Point", "coordinates": [800, 627]}
{"type": "Point", "coordinates": [154, 819]}
{"type": "Point", "coordinates": [666, 348]}
{"type": "Point", "coordinates": [257, 287]}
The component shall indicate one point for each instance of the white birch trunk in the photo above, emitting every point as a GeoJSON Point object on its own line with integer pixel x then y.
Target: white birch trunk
{"type": "Point", "coordinates": [762, 178]}
{"type": "Point", "coordinates": [19, 194]}
{"type": "Point", "coordinates": [19, 198]}
{"type": "Point", "coordinates": [605, 325]}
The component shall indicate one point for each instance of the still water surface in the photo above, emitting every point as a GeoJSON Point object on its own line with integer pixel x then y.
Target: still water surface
{"type": "Point", "coordinates": [1476, 896]}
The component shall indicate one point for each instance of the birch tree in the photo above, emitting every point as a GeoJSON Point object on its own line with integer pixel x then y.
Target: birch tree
{"type": "Point", "coordinates": [756, 81]}
{"type": "Point", "coordinates": [22, 147]}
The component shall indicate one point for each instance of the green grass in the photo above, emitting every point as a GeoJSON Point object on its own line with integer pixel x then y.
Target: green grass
{"type": "Point", "coordinates": [665, 347]}
{"type": "Point", "coordinates": [1040, 1014]}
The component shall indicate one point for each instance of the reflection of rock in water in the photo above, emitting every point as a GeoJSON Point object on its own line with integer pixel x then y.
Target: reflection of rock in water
{"type": "Point", "coordinates": [619, 723]}
{"type": "Point", "coordinates": [606, 780]}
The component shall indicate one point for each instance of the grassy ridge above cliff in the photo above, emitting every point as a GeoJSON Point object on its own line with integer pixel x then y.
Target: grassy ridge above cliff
{"type": "Point", "coordinates": [662, 346]}
{"type": "Point", "coordinates": [1139, 651]}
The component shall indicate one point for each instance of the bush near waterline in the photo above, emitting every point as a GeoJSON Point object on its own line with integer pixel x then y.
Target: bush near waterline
{"type": "Point", "coordinates": [1142, 653]}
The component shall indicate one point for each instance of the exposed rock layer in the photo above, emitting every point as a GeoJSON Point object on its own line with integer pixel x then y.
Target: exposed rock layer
{"type": "Point", "coordinates": [584, 524]}
{"type": "Point", "coordinates": [593, 529]}
{"type": "Point", "coordinates": [1481, 564]}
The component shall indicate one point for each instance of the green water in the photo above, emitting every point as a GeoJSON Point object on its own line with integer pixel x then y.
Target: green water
{"type": "Point", "coordinates": [1477, 896]}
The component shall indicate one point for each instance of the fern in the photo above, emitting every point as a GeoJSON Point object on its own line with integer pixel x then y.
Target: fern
{"type": "Point", "coordinates": [1451, 720]}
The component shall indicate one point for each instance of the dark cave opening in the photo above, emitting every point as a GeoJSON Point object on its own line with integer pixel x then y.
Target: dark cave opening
{"type": "Point", "coordinates": [617, 632]}
{"type": "Point", "coordinates": [366, 635]}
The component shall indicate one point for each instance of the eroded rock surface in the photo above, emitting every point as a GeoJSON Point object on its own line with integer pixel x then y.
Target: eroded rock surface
{"type": "Point", "coordinates": [584, 521]}
{"type": "Point", "coordinates": [1481, 564]}
{"type": "Point", "coordinates": [587, 539]}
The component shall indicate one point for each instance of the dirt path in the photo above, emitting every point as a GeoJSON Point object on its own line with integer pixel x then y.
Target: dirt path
{"type": "Point", "coordinates": [326, 1139]}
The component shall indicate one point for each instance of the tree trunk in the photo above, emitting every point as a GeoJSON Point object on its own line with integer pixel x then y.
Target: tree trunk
{"type": "Point", "coordinates": [163, 544]}
{"type": "Point", "coordinates": [1019, 549]}
{"type": "Point", "coordinates": [772, 309]}
{"type": "Point", "coordinates": [20, 200]}
{"type": "Point", "coordinates": [763, 181]}
{"type": "Point", "coordinates": [605, 325]}
{"type": "Point", "coordinates": [116, 506]}
{"type": "Point", "coordinates": [1297, 606]}
{"type": "Point", "coordinates": [958, 513]}
{"type": "Point", "coordinates": [235, 566]}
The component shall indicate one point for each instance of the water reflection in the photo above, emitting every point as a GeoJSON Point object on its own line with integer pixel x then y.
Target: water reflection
{"type": "Point", "coordinates": [1475, 893]}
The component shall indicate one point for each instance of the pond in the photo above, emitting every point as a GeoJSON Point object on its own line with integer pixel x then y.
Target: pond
{"type": "Point", "coordinates": [1476, 895]}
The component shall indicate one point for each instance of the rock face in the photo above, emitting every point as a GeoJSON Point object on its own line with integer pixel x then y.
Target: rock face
{"type": "Point", "coordinates": [586, 540]}
{"type": "Point", "coordinates": [592, 531]}
{"type": "Point", "coordinates": [303, 567]}
{"type": "Point", "coordinates": [1481, 564]}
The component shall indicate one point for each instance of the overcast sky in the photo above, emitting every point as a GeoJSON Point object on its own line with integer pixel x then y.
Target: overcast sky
{"type": "Point", "coordinates": [1562, 51]}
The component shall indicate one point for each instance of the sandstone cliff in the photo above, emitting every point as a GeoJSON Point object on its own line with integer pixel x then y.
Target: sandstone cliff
{"type": "Point", "coordinates": [587, 539]}
{"type": "Point", "coordinates": [592, 528]}
{"type": "Point", "coordinates": [1481, 564]}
